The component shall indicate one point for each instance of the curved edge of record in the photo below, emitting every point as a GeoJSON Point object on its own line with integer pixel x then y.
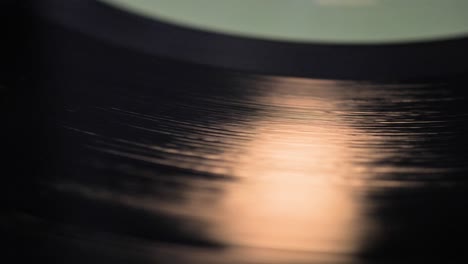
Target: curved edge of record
{"type": "Point", "coordinates": [319, 60]}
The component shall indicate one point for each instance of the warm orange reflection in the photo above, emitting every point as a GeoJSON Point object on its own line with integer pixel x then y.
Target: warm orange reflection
{"type": "Point", "coordinates": [292, 196]}
{"type": "Point", "coordinates": [299, 169]}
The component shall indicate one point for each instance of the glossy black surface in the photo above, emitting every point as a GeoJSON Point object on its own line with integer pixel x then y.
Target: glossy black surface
{"type": "Point", "coordinates": [114, 156]}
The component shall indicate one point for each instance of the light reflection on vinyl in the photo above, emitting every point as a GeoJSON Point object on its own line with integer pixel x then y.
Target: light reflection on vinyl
{"type": "Point", "coordinates": [138, 159]}
{"type": "Point", "coordinates": [249, 168]}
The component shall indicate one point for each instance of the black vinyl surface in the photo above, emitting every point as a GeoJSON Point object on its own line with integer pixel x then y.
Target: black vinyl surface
{"type": "Point", "coordinates": [114, 155]}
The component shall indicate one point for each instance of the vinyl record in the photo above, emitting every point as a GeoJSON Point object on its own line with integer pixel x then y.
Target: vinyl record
{"type": "Point", "coordinates": [116, 154]}
{"type": "Point", "coordinates": [437, 54]}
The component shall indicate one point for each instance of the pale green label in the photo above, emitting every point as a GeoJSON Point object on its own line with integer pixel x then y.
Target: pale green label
{"type": "Point", "coordinates": [336, 21]}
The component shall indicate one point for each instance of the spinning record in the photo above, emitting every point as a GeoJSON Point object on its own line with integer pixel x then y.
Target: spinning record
{"type": "Point", "coordinates": [320, 46]}
{"type": "Point", "coordinates": [127, 142]}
